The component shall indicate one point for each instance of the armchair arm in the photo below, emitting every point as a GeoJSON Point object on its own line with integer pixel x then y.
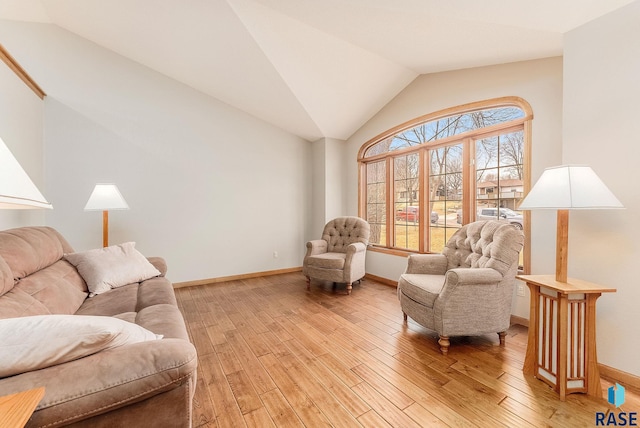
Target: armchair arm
{"type": "Point", "coordinates": [317, 246]}
{"type": "Point", "coordinates": [433, 264]}
{"type": "Point", "coordinates": [356, 247]}
{"type": "Point", "coordinates": [475, 276]}
{"type": "Point", "coordinates": [354, 262]}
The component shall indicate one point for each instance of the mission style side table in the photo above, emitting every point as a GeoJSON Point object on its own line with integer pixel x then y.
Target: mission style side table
{"type": "Point", "coordinates": [561, 348]}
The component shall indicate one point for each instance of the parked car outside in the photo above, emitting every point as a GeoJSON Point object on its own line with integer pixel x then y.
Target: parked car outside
{"type": "Point", "coordinates": [505, 214]}
{"type": "Point", "coordinates": [492, 213]}
{"type": "Point", "coordinates": [412, 213]}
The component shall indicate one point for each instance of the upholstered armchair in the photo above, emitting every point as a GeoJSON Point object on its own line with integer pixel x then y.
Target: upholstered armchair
{"type": "Point", "coordinates": [467, 290]}
{"type": "Point", "coordinates": [339, 256]}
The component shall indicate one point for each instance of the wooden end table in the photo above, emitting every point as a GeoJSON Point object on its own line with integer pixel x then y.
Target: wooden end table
{"type": "Point", "coordinates": [561, 347]}
{"type": "Point", "coordinates": [16, 409]}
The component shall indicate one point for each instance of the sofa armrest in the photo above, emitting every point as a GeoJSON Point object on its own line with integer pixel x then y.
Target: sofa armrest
{"type": "Point", "coordinates": [107, 380]}
{"type": "Point", "coordinates": [431, 264]}
{"type": "Point", "coordinates": [159, 263]}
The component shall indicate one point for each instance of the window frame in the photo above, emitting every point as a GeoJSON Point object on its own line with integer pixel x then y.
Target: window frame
{"type": "Point", "coordinates": [523, 124]}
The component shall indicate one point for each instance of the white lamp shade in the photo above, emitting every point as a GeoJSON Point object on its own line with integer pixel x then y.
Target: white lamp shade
{"type": "Point", "coordinates": [569, 187]}
{"type": "Point", "coordinates": [17, 191]}
{"type": "Point", "coordinates": [106, 197]}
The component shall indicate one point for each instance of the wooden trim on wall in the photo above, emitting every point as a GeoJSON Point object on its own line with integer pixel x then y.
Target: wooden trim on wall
{"type": "Point", "coordinates": [20, 72]}
{"type": "Point", "coordinates": [519, 320]}
{"type": "Point", "coordinates": [235, 277]}
{"type": "Point", "coordinates": [623, 378]}
{"type": "Point", "coordinates": [381, 280]}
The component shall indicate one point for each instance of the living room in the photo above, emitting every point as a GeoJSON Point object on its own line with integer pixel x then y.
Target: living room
{"type": "Point", "coordinates": [203, 178]}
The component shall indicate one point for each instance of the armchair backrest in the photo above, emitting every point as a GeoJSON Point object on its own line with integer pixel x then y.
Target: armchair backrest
{"type": "Point", "coordinates": [344, 231]}
{"type": "Point", "coordinates": [489, 243]}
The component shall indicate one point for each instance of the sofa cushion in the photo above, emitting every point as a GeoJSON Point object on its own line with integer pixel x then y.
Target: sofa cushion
{"type": "Point", "coordinates": [151, 304]}
{"type": "Point", "coordinates": [58, 287]}
{"type": "Point", "coordinates": [112, 267]}
{"type": "Point", "coordinates": [41, 283]}
{"type": "Point", "coordinates": [6, 277]}
{"type": "Point", "coordinates": [327, 260]}
{"type": "Point", "coordinates": [421, 288]}
{"type": "Point", "coordinates": [115, 379]}
{"type": "Point", "coordinates": [29, 249]}
{"type": "Point", "coordinates": [17, 303]}
{"type": "Point", "coordinates": [35, 342]}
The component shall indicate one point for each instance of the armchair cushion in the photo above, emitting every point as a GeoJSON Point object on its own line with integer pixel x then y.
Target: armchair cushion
{"type": "Point", "coordinates": [327, 260]}
{"type": "Point", "coordinates": [422, 288]}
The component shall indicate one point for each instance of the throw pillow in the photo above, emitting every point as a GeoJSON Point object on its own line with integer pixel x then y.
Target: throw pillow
{"type": "Point", "coordinates": [35, 342]}
{"type": "Point", "coordinates": [111, 267]}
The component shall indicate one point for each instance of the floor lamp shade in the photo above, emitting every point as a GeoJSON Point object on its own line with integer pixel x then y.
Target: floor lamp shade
{"type": "Point", "coordinates": [564, 188]}
{"type": "Point", "coordinates": [106, 197]}
{"type": "Point", "coordinates": [17, 191]}
{"type": "Point", "coordinates": [569, 187]}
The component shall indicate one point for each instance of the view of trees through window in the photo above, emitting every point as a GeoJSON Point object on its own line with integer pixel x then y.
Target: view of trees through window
{"type": "Point", "coordinates": [443, 172]}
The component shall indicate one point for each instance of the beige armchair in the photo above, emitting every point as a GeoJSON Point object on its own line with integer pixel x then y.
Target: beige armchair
{"type": "Point", "coordinates": [339, 256]}
{"type": "Point", "coordinates": [467, 290]}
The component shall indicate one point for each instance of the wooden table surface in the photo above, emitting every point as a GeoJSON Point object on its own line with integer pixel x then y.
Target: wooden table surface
{"type": "Point", "coordinates": [16, 409]}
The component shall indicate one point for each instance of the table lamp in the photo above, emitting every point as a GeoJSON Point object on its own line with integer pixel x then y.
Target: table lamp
{"type": "Point", "coordinates": [105, 197]}
{"type": "Point", "coordinates": [564, 188]}
{"type": "Point", "coordinates": [17, 191]}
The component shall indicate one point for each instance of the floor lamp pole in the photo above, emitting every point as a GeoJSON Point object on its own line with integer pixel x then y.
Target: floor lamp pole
{"type": "Point", "coordinates": [562, 245]}
{"type": "Point", "coordinates": [105, 228]}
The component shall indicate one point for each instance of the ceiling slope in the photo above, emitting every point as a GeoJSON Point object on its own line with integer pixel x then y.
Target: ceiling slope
{"type": "Point", "coordinates": [316, 68]}
{"type": "Point", "coordinates": [339, 84]}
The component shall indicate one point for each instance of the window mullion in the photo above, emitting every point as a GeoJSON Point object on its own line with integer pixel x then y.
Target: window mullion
{"type": "Point", "coordinates": [390, 203]}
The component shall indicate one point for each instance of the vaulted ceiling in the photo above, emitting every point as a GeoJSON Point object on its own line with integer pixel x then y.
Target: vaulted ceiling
{"type": "Point", "coordinates": [317, 68]}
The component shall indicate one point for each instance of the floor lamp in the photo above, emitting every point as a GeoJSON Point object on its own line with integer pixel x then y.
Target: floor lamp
{"type": "Point", "coordinates": [564, 188]}
{"type": "Point", "coordinates": [106, 197]}
{"type": "Point", "coordinates": [17, 191]}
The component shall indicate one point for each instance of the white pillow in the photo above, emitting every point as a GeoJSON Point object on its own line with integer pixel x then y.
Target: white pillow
{"type": "Point", "coordinates": [36, 342]}
{"type": "Point", "coordinates": [111, 267]}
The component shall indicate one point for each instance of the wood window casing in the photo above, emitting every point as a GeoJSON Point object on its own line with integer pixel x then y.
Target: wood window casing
{"type": "Point", "coordinates": [467, 139]}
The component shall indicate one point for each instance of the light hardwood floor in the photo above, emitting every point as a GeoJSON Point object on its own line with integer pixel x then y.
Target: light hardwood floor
{"type": "Point", "coordinates": [272, 353]}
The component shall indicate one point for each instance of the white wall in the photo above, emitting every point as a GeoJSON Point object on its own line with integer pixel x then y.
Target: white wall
{"type": "Point", "coordinates": [212, 189]}
{"type": "Point", "coordinates": [329, 176]}
{"type": "Point", "coordinates": [21, 118]}
{"type": "Point", "coordinates": [601, 129]}
{"type": "Point", "coordinates": [539, 82]}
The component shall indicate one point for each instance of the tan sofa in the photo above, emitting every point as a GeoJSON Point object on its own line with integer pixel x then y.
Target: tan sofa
{"type": "Point", "coordinates": [150, 383]}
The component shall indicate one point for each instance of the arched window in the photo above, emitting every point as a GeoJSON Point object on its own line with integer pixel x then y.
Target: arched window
{"type": "Point", "coordinates": [420, 181]}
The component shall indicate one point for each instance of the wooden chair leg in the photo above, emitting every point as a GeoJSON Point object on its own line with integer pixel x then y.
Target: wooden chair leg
{"type": "Point", "coordinates": [308, 283]}
{"type": "Point", "coordinates": [349, 288]}
{"type": "Point", "coordinates": [502, 335]}
{"type": "Point", "coordinates": [404, 316]}
{"type": "Point", "coordinates": [444, 344]}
